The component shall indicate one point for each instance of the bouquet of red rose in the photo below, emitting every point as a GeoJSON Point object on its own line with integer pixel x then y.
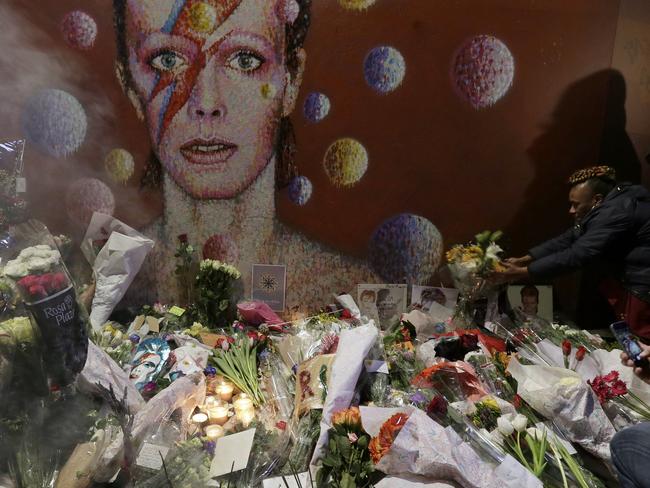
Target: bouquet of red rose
{"type": "Point", "coordinates": [610, 387]}
{"type": "Point", "coordinates": [48, 293]}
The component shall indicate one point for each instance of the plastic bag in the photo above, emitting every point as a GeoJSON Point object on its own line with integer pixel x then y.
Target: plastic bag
{"type": "Point", "coordinates": [12, 184]}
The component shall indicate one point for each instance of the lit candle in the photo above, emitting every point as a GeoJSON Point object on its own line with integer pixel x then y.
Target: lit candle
{"type": "Point", "coordinates": [213, 432]}
{"type": "Point", "coordinates": [199, 418]}
{"type": "Point", "coordinates": [224, 390]}
{"type": "Point", "coordinates": [218, 414]}
{"type": "Point", "coordinates": [210, 401]}
{"type": "Point", "coordinates": [243, 403]}
{"type": "Point", "coordinates": [246, 416]}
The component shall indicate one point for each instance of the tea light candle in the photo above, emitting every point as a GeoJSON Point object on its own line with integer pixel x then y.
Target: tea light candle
{"type": "Point", "coordinates": [199, 418]}
{"type": "Point", "coordinates": [218, 414]}
{"type": "Point", "coordinates": [213, 432]}
{"type": "Point", "coordinates": [224, 390]}
{"type": "Point", "coordinates": [246, 416]}
{"type": "Point", "coordinates": [243, 403]}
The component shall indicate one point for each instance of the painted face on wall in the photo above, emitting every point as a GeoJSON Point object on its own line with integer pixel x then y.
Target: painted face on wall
{"type": "Point", "coordinates": [144, 368]}
{"type": "Point", "coordinates": [212, 83]}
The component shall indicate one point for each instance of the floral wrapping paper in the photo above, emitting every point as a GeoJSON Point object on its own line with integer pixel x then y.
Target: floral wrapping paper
{"type": "Point", "coordinates": [562, 395]}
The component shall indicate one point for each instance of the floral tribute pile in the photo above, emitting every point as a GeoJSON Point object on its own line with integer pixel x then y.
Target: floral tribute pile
{"type": "Point", "coordinates": [214, 392]}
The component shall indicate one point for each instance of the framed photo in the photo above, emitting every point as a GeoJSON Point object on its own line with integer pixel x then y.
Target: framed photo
{"type": "Point", "coordinates": [532, 300]}
{"type": "Point", "coordinates": [384, 303]}
{"type": "Point", "coordinates": [423, 296]}
{"type": "Point", "coordinates": [269, 285]}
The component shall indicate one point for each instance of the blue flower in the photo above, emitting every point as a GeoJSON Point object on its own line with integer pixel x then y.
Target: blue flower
{"type": "Point", "coordinates": [210, 371]}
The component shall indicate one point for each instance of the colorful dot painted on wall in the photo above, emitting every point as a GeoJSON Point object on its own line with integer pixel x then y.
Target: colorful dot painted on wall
{"type": "Point", "coordinates": [119, 165]}
{"type": "Point", "coordinates": [55, 121]}
{"type": "Point", "coordinates": [79, 30]}
{"type": "Point", "coordinates": [482, 71]}
{"type": "Point", "coordinates": [384, 69]}
{"type": "Point", "coordinates": [345, 162]}
{"type": "Point", "coordinates": [300, 189]}
{"type": "Point", "coordinates": [88, 195]}
{"type": "Point", "coordinates": [356, 4]}
{"type": "Point", "coordinates": [406, 248]}
{"type": "Point", "coordinates": [316, 107]}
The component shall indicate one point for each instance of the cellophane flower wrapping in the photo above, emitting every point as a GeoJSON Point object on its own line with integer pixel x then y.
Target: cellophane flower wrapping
{"type": "Point", "coordinates": [562, 395]}
{"type": "Point", "coordinates": [48, 293]}
{"type": "Point", "coordinates": [116, 253]}
{"type": "Point", "coordinates": [425, 448]}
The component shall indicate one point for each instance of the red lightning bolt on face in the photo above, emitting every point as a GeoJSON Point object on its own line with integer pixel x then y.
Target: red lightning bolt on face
{"type": "Point", "coordinates": [185, 81]}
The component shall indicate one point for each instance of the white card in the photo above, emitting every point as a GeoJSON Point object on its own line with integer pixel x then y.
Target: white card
{"type": "Point", "coordinates": [234, 448]}
{"type": "Point", "coordinates": [375, 366]}
{"type": "Point", "coordinates": [21, 185]}
{"type": "Point", "coordinates": [278, 482]}
{"type": "Point", "coordinates": [149, 456]}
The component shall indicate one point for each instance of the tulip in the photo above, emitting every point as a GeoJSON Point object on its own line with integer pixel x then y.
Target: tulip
{"type": "Point", "coordinates": [505, 426]}
{"type": "Point", "coordinates": [520, 423]}
{"type": "Point", "coordinates": [580, 353]}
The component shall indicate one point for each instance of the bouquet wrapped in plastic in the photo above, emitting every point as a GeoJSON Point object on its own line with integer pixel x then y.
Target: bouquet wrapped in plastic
{"type": "Point", "coordinates": [470, 265]}
{"type": "Point", "coordinates": [48, 293]}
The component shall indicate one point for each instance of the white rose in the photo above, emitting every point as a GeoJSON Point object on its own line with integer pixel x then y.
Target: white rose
{"type": "Point", "coordinates": [38, 264]}
{"type": "Point", "coordinates": [505, 426]}
{"type": "Point", "coordinates": [492, 251]}
{"type": "Point", "coordinates": [520, 423]}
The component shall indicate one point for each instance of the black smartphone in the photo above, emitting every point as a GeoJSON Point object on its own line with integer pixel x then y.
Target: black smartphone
{"type": "Point", "coordinates": [631, 346]}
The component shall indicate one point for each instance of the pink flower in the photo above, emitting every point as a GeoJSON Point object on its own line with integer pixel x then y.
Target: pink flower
{"type": "Point", "coordinates": [37, 291]}
{"type": "Point", "coordinates": [353, 437]}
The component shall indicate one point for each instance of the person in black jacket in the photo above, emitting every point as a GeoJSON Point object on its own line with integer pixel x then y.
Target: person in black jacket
{"type": "Point", "coordinates": [612, 230]}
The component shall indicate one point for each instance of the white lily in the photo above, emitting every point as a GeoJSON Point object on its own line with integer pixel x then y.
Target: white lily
{"type": "Point", "coordinates": [492, 251]}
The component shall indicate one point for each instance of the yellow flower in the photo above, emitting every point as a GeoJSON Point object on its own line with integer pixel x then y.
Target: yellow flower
{"type": "Point", "coordinates": [350, 418]}
{"type": "Point", "coordinates": [491, 403]}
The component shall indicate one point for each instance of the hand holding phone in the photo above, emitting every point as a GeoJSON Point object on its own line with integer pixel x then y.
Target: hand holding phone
{"type": "Point", "coordinates": [630, 345]}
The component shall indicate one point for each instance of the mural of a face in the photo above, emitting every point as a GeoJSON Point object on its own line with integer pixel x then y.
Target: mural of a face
{"type": "Point", "coordinates": [211, 80]}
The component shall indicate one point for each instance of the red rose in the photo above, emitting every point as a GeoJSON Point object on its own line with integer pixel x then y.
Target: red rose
{"type": "Point", "coordinates": [281, 425]}
{"type": "Point", "coordinates": [516, 401]}
{"type": "Point", "coordinates": [346, 314]}
{"type": "Point", "coordinates": [619, 388]}
{"type": "Point", "coordinates": [37, 291]}
{"type": "Point", "coordinates": [611, 377]}
{"type": "Point", "coordinates": [28, 281]}
{"type": "Point", "coordinates": [59, 281]}
{"type": "Point", "coordinates": [580, 353]}
{"type": "Point", "coordinates": [437, 406]}
{"type": "Point", "coordinates": [182, 238]}
{"type": "Point", "coordinates": [566, 347]}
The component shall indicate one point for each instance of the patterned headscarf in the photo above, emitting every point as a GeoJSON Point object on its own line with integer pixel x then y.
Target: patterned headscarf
{"type": "Point", "coordinates": [582, 175]}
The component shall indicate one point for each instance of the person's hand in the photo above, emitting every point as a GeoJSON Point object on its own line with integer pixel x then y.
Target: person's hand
{"type": "Point", "coordinates": [643, 373]}
{"type": "Point", "coordinates": [521, 262]}
{"type": "Point", "coordinates": [509, 274]}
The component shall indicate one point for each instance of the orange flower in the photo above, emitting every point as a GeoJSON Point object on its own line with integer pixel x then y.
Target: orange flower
{"type": "Point", "coordinates": [423, 379]}
{"type": "Point", "coordinates": [380, 445]}
{"type": "Point", "coordinates": [349, 418]}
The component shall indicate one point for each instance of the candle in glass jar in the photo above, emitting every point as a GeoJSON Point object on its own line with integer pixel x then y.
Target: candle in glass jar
{"type": "Point", "coordinates": [213, 432]}
{"type": "Point", "coordinates": [246, 416]}
{"type": "Point", "coordinates": [224, 390]}
{"type": "Point", "coordinates": [199, 418]}
{"type": "Point", "coordinates": [218, 414]}
{"type": "Point", "coordinates": [243, 402]}
{"type": "Point", "coordinates": [210, 401]}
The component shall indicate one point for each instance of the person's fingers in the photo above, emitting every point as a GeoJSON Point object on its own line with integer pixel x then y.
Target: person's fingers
{"type": "Point", "coordinates": [638, 372]}
{"type": "Point", "coordinates": [624, 356]}
{"type": "Point", "coordinates": [629, 363]}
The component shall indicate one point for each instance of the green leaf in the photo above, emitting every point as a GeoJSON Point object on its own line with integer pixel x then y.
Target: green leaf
{"type": "Point", "coordinates": [347, 481]}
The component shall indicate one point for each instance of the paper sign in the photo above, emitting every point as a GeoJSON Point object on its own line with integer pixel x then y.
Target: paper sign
{"type": "Point", "coordinates": [231, 453]}
{"type": "Point", "coordinates": [150, 456]}
{"type": "Point", "coordinates": [269, 285]}
{"type": "Point", "coordinates": [176, 310]}
{"type": "Point", "coordinates": [289, 481]}
{"type": "Point", "coordinates": [375, 366]}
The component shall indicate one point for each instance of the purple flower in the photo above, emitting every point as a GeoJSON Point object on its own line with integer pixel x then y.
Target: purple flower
{"type": "Point", "coordinates": [134, 338]}
{"type": "Point", "coordinates": [417, 397]}
{"type": "Point", "coordinates": [209, 447]}
{"type": "Point", "coordinates": [149, 387]}
{"type": "Point", "coordinates": [210, 371]}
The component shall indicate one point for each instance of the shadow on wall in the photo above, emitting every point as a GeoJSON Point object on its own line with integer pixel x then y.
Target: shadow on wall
{"type": "Point", "coordinates": [599, 96]}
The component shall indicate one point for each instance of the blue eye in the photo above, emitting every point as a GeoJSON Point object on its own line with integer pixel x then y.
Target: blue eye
{"type": "Point", "coordinates": [169, 61]}
{"type": "Point", "coordinates": [245, 61]}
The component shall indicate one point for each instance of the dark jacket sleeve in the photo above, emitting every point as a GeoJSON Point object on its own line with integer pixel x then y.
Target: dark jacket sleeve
{"type": "Point", "coordinates": [559, 243]}
{"type": "Point", "coordinates": [602, 232]}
